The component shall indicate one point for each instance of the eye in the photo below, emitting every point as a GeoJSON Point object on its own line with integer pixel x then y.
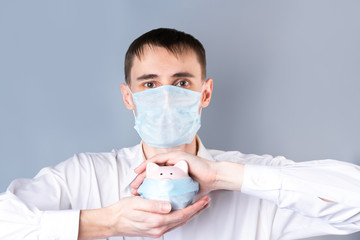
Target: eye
{"type": "Point", "coordinates": [149, 85]}
{"type": "Point", "coordinates": [182, 83]}
{"type": "Point", "coordinates": [161, 173]}
{"type": "Point", "coordinates": [171, 173]}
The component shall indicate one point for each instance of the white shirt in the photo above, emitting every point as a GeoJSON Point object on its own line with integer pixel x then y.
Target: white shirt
{"type": "Point", "coordinates": [279, 198]}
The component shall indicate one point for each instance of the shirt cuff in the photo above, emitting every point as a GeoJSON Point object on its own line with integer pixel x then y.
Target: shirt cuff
{"type": "Point", "coordinates": [60, 224]}
{"type": "Point", "coordinates": [262, 181]}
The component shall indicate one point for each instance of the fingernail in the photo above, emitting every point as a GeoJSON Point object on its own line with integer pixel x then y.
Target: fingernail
{"type": "Point", "coordinates": [206, 202]}
{"type": "Point", "coordinates": [166, 207]}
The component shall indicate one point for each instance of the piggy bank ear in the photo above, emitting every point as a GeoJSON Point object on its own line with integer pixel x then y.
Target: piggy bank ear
{"type": "Point", "coordinates": [182, 165]}
{"type": "Point", "coordinates": [150, 168]}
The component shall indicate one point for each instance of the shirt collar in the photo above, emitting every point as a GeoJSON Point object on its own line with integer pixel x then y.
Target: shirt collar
{"type": "Point", "coordinates": [139, 157]}
{"type": "Point", "coordinates": [135, 162]}
{"type": "Point", "coordinates": [202, 151]}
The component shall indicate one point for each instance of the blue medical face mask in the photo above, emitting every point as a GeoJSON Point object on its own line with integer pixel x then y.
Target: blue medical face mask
{"type": "Point", "coordinates": [167, 116]}
{"type": "Point", "coordinates": [179, 192]}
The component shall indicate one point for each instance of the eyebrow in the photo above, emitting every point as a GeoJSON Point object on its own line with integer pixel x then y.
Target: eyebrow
{"type": "Point", "coordinates": [153, 76]}
{"type": "Point", "coordinates": [183, 74]}
{"type": "Point", "coordinates": [147, 77]}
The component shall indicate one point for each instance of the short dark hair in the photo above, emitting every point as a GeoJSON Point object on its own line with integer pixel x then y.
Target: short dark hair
{"type": "Point", "coordinates": [173, 40]}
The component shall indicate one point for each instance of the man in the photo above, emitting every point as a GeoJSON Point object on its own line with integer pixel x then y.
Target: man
{"type": "Point", "coordinates": [91, 195]}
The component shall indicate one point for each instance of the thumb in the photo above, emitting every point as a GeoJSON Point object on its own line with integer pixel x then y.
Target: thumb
{"type": "Point", "coordinates": [153, 206]}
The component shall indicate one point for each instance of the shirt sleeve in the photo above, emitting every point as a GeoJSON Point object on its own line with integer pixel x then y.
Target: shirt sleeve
{"type": "Point", "coordinates": [300, 190]}
{"type": "Point", "coordinates": [38, 208]}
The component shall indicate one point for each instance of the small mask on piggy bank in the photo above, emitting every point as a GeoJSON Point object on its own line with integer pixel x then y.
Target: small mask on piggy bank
{"type": "Point", "coordinates": [169, 183]}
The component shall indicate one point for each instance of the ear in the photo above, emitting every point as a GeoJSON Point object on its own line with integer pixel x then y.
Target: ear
{"type": "Point", "coordinates": [207, 93]}
{"type": "Point", "coordinates": [182, 165]}
{"type": "Point", "coordinates": [127, 97]}
{"type": "Point", "coordinates": [150, 167]}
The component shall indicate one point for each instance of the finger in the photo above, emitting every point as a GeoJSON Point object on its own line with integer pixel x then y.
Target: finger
{"type": "Point", "coordinates": [199, 212]}
{"type": "Point", "coordinates": [193, 216]}
{"type": "Point", "coordinates": [134, 192]}
{"type": "Point", "coordinates": [153, 206]}
{"type": "Point", "coordinates": [184, 214]}
{"type": "Point", "coordinates": [159, 159]}
{"type": "Point", "coordinates": [138, 180]}
{"type": "Point", "coordinates": [141, 168]}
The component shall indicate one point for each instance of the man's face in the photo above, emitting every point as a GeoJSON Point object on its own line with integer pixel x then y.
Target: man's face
{"type": "Point", "coordinates": [158, 67]}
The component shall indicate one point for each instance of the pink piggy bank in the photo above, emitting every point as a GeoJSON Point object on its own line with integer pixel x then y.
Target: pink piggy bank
{"type": "Point", "coordinates": [169, 183]}
{"type": "Point", "coordinates": [179, 170]}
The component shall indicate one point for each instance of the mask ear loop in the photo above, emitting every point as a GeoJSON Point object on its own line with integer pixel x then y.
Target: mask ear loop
{"type": "Point", "coordinates": [132, 96]}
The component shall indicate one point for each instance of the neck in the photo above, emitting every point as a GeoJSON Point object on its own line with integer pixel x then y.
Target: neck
{"type": "Point", "coordinates": [191, 148]}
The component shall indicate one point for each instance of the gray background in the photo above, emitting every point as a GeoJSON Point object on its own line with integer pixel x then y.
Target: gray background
{"type": "Point", "coordinates": [286, 77]}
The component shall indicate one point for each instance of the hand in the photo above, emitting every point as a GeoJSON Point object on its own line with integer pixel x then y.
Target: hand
{"type": "Point", "coordinates": [135, 216]}
{"type": "Point", "coordinates": [201, 170]}
{"type": "Point", "coordinates": [210, 175]}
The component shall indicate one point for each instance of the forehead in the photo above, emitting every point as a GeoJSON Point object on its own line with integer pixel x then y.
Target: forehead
{"type": "Point", "coordinates": [159, 60]}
